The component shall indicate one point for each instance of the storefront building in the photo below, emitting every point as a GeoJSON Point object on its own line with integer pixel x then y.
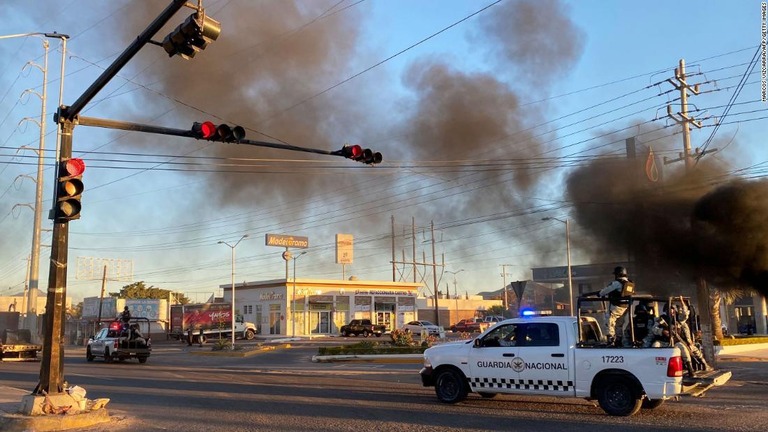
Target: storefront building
{"type": "Point", "coordinates": [305, 307]}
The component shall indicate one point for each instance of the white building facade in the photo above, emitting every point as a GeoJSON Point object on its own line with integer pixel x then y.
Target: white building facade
{"type": "Point", "coordinates": [306, 307]}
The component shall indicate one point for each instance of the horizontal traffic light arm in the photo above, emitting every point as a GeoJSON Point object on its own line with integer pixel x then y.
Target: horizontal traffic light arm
{"type": "Point", "coordinates": [138, 127]}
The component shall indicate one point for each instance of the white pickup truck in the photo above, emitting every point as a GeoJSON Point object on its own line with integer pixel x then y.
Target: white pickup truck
{"type": "Point", "coordinates": [555, 356]}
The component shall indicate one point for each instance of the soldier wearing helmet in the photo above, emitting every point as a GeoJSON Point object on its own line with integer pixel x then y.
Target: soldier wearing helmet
{"type": "Point", "coordinates": [617, 307]}
{"type": "Point", "coordinates": [671, 329]}
{"type": "Point", "coordinates": [642, 322]}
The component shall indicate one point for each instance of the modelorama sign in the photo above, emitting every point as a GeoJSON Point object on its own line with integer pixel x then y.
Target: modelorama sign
{"type": "Point", "coordinates": [287, 241]}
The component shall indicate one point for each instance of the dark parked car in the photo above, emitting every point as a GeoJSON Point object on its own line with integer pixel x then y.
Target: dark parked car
{"type": "Point", "coordinates": [363, 327]}
{"type": "Point", "coordinates": [470, 325]}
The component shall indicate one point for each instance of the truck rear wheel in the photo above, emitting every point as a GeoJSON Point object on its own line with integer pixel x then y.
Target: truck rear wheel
{"type": "Point", "coordinates": [366, 333]}
{"type": "Point", "coordinates": [107, 356]}
{"type": "Point", "coordinates": [345, 333]}
{"type": "Point", "coordinates": [451, 386]}
{"type": "Point", "coordinates": [142, 359]}
{"type": "Point", "coordinates": [619, 396]}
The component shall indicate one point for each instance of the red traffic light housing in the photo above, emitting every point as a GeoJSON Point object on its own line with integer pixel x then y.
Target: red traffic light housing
{"type": "Point", "coordinates": [192, 36]}
{"type": "Point", "coordinates": [69, 188]}
{"type": "Point", "coordinates": [355, 152]}
{"type": "Point", "coordinates": [209, 131]}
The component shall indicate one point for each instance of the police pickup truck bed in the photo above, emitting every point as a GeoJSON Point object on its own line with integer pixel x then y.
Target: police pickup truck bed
{"type": "Point", "coordinates": [120, 342]}
{"type": "Point", "coordinates": [550, 356]}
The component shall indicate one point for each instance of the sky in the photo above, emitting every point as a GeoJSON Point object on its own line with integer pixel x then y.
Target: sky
{"type": "Point", "coordinates": [490, 115]}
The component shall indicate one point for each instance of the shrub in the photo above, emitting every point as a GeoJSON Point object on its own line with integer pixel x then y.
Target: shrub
{"type": "Point", "coordinates": [366, 347]}
{"type": "Point", "coordinates": [222, 345]}
{"type": "Point", "coordinates": [401, 338]}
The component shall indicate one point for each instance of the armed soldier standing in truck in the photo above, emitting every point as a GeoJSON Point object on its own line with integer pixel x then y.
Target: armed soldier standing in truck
{"type": "Point", "coordinates": [614, 291]}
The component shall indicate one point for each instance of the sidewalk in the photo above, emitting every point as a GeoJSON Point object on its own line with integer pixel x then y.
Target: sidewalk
{"type": "Point", "coordinates": [757, 352]}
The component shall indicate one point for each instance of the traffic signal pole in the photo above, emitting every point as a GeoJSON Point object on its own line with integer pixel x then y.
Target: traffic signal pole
{"type": "Point", "coordinates": [189, 133]}
{"type": "Point", "coordinates": [52, 363]}
{"type": "Point", "coordinates": [67, 117]}
{"type": "Point", "coordinates": [144, 38]}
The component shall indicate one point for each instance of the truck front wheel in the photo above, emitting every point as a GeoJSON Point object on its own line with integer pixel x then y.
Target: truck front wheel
{"type": "Point", "coordinates": [618, 396]}
{"type": "Point", "coordinates": [250, 334]}
{"type": "Point", "coordinates": [88, 354]}
{"type": "Point", "coordinates": [450, 386]}
{"type": "Point", "coordinates": [142, 359]}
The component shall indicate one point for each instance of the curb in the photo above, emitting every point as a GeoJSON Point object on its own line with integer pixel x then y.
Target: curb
{"type": "Point", "coordinates": [240, 354]}
{"type": "Point", "coordinates": [373, 358]}
{"type": "Point", "coordinates": [23, 423]}
{"type": "Point", "coordinates": [734, 349]}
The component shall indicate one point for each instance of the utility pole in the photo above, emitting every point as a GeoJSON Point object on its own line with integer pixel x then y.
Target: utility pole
{"type": "Point", "coordinates": [413, 246]}
{"type": "Point", "coordinates": [52, 363]}
{"type": "Point", "coordinates": [685, 121]}
{"type": "Point", "coordinates": [434, 274]}
{"type": "Point", "coordinates": [394, 266]}
{"type": "Point", "coordinates": [505, 303]}
{"type": "Point", "coordinates": [33, 270]}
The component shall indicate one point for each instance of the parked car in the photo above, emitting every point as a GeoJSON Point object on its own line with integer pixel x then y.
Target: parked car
{"type": "Point", "coordinates": [362, 327]}
{"type": "Point", "coordinates": [416, 327]}
{"type": "Point", "coordinates": [470, 325]}
{"type": "Point", "coordinates": [494, 318]}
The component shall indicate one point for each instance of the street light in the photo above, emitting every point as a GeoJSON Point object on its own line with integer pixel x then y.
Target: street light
{"type": "Point", "coordinates": [293, 308]}
{"type": "Point", "coordinates": [455, 292]}
{"type": "Point", "coordinates": [568, 253]}
{"type": "Point", "coordinates": [33, 272]}
{"type": "Point", "coordinates": [233, 284]}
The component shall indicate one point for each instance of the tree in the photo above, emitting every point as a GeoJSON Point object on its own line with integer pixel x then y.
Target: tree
{"type": "Point", "coordinates": [76, 311]}
{"type": "Point", "coordinates": [496, 310]}
{"type": "Point", "coordinates": [138, 290]}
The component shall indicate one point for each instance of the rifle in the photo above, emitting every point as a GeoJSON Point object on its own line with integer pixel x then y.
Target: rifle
{"type": "Point", "coordinates": [674, 335]}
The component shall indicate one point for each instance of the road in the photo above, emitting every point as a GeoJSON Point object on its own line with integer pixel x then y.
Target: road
{"type": "Point", "coordinates": [283, 390]}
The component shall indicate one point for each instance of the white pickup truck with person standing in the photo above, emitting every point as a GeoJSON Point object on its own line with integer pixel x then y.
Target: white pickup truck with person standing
{"type": "Point", "coordinates": [564, 356]}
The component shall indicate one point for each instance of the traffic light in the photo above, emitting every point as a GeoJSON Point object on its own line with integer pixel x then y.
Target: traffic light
{"type": "Point", "coordinates": [209, 131]}
{"type": "Point", "coordinates": [69, 189]}
{"type": "Point", "coordinates": [355, 152]}
{"type": "Point", "coordinates": [192, 36]}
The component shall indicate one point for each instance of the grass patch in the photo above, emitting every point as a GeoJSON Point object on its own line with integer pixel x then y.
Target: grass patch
{"type": "Point", "coordinates": [742, 340]}
{"type": "Point", "coordinates": [363, 348]}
